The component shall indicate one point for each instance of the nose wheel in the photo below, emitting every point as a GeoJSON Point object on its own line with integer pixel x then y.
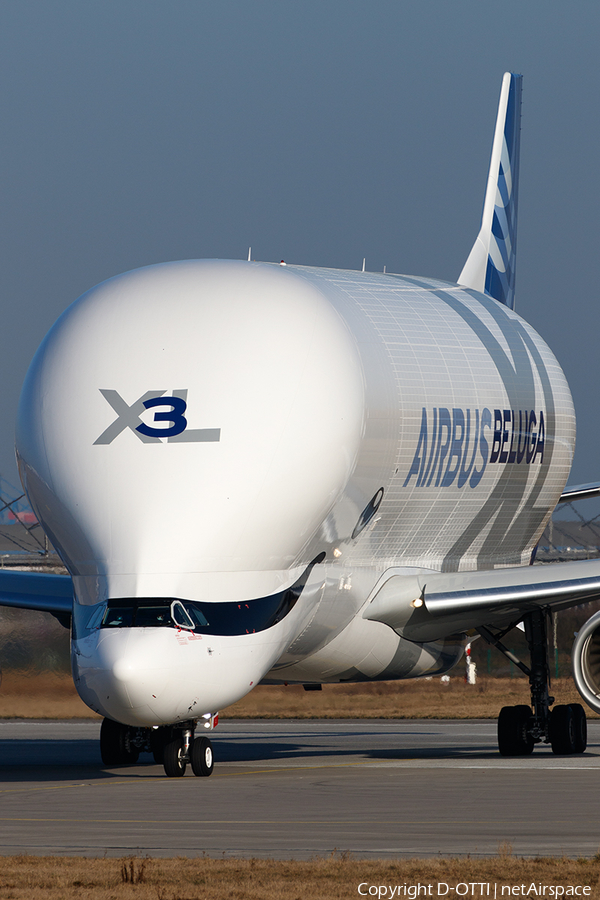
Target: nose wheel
{"type": "Point", "coordinates": [186, 749]}
{"type": "Point", "coordinates": [202, 757]}
{"type": "Point", "coordinates": [174, 759]}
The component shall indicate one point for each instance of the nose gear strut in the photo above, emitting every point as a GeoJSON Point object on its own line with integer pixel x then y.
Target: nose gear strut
{"type": "Point", "coordinates": [173, 746]}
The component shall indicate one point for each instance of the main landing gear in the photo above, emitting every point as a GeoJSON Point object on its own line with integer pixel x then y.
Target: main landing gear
{"type": "Point", "coordinates": [521, 727]}
{"type": "Point", "coordinates": [173, 746]}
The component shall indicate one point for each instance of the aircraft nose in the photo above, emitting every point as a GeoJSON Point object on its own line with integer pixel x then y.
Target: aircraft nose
{"type": "Point", "coordinates": [119, 677]}
{"type": "Point", "coordinates": [156, 676]}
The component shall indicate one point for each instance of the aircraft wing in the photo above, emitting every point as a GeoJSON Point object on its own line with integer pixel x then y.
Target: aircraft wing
{"type": "Point", "coordinates": [37, 590]}
{"type": "Point", "coordinates": [579, 492]}
{"type": "Point", "coordinates": [431, 605]}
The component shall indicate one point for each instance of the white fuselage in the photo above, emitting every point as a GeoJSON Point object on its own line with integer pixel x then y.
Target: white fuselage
{"type": "Point", "coordinates": [294, 398]}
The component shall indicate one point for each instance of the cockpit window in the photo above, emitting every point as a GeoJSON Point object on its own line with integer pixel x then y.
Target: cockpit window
{"type": "Point", "coordinates": [137, 614]}
{"type": "Point", "coordinates": [181, 616]}
{"type": "Point", "coordinates": [149, 615]}
{"type": "Point", "coordinates": [118, 616]}
{"type": "Point", "coordinates": [245, 617]}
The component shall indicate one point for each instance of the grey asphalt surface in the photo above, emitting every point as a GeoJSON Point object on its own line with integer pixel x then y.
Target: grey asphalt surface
{"type": "Point", "coordinates": [285, 789]}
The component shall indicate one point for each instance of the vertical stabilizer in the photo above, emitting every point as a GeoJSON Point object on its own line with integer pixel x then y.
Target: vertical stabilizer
{"type": "Point", "coordinates": [491, 264]}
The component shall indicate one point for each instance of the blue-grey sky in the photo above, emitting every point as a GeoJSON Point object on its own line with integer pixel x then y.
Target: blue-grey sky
{"type": "Point", "coordinates": [319, 131]}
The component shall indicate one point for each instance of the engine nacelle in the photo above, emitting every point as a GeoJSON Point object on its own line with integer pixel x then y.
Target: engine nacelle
{"type": "Point", "coordinates": [586, 662]}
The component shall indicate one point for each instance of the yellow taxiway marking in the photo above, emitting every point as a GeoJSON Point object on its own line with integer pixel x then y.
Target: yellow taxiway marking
{"type": "Point", "coordinates": [149, 779]}
{"type": "Point", "coordinates": [271, 770]}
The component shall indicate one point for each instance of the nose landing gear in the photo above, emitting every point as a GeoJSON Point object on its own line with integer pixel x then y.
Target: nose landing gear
{"type": "Point", "coordinates": [173, 746]}
{"type": "Point", "coordinates": [186, 749]}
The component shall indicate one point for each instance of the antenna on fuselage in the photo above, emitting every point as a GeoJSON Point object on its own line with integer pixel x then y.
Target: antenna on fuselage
{"type": "Point", "coordinates": [364, 261]}
{"type": "Point", "coordinates": [249, 253]}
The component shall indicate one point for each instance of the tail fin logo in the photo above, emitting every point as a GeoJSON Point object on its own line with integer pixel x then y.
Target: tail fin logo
{"type": "Point", "coordinates": [491, 265]}
{"type": "Point", "coordinates": [500, 271]}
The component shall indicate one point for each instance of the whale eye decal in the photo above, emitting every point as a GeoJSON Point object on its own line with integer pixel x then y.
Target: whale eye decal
{"type": "Point", "coordinates": [368, 513]}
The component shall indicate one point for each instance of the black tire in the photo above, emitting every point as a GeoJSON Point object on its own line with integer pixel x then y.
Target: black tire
{"type": "Point", "coordinates": [514, 738]}
{"type": "Point", "coordinates": [562, 730]}
{"type": "Point", "coordinates": [202, 757]}
{"type": "Point", "coordinates": [114, 748]}
{"type": "Point", "coordinates": [580, 723]}
{"type": "Point", "coordinates": [172, 759]}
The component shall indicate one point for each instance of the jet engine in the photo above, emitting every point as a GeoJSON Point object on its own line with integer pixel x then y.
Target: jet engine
{"type": "Point", "coordinates": [586, 662]}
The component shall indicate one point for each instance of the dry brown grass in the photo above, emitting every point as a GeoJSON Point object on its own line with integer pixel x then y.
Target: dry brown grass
{"type": "Point", "coordinates": [419, 699]}
{"type": "Point", "coordinates": [332, 878]}
{"type": "Point", "coordinates": [51, 696]}
{"type": "Point", "coordinates": [45, 695]}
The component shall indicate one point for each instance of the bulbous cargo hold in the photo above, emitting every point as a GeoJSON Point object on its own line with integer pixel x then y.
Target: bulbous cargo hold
{"type": "Point", "coordinates": [264, 437]}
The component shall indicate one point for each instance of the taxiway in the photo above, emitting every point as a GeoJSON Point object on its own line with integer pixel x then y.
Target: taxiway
{"type": "Point", "coordinates": [285, 789]}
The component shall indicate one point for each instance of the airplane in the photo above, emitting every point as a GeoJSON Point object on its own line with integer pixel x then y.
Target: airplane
{"type": "Point", "coordinates": [266, 473]}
